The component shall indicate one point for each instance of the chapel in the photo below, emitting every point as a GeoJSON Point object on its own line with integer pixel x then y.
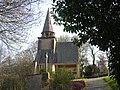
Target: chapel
{"type": "Point", "coordinates": [59, 54]}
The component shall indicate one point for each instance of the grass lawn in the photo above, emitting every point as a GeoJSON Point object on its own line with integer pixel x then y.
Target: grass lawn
{"type": "Point", "coordinates": [111, 82]}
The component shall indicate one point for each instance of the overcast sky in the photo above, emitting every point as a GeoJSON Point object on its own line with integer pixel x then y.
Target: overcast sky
{"type": "Point", "coordinates": [36, 30]}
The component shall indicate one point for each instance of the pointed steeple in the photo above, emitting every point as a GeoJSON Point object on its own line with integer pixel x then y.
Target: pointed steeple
{"type": "Point", "coordinates": [47, 29]}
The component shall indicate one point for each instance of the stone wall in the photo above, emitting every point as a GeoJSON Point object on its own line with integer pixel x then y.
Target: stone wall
{"type": "Point", "coordinates": [34, 82]}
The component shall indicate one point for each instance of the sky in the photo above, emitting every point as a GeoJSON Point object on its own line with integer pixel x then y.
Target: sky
{"type": "Point", "coordinates": [36, 30]}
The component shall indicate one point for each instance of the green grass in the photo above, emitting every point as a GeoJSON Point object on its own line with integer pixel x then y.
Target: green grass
{"type": "Point", "coordinates": [78, 79]}
{"type": "Point", "coordinates": [112, 83]}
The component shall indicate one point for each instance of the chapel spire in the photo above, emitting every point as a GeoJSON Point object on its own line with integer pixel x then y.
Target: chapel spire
{"type": "Point", "coordinates": [47, 29]}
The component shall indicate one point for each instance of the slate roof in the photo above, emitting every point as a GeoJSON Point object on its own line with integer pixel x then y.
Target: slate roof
{"type": "Point", "coordinates": [67, 52]}
{"type": "Point", "coordinates": [40, 57]}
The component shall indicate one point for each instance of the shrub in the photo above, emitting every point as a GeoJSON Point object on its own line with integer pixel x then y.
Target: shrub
{"type": "Point", "coordinates": [61, 80]}
{"type": "Point", "coordinates": [13, 77]}
{"type": "Point", "coordinates": [113, 84]}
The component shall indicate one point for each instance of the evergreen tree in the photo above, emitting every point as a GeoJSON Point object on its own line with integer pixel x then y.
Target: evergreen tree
{"type": "Point", "coordinates": [96, 21]}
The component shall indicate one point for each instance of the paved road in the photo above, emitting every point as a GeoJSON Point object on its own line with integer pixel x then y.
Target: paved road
{"type": "Point", "coordinates": [96, 84]}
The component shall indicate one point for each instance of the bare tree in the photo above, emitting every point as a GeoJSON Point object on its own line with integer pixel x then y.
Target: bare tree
{"type": "Point", "coordinates": [83, 57]}
{"type": "Point", "coordinates": [33, 48]}
{"type": "Point", "coordinates": [63, 38]}
{"type": "Point", "coordinates": [15, 18]}
{"type": "Point", "coordinates": [93, 53]}
{"type": "Point", "coordinates": [3, 52]}
{"type": "Point", "coordinates": [102, 63]}
{"type": "Point", "coordinates": [13, 72]}
{"type": "Point", "coordinates": [108, 62]}
{"type": "Point", "coordinates": [83, 54]}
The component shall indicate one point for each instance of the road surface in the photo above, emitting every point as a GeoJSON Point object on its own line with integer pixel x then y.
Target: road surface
{"type": "Point", "coordinates": [96, 84]}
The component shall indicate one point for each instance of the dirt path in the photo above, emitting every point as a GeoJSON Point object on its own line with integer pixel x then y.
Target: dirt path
{"type": "Point", "coordinates": [96, 84]}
